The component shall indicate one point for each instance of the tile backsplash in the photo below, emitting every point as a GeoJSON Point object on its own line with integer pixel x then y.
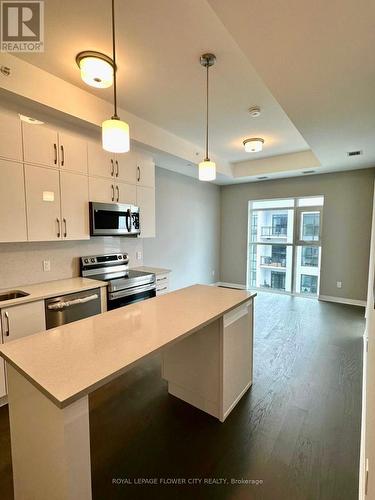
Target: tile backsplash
{"type": "Point", "coordinates": [22, 263]}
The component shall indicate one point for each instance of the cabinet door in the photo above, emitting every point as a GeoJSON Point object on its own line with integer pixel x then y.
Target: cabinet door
{"type": "Point", "coordinates": [100, 162]}
{"type": "Point", "coordinates": [20, 321]}
{"type": "Point", "coordinates": [126, 193]}
{"type": "Point", "coordinates": [145, 171]}
{"type": "Point", "coordinates": [126, 167]}
{"type": "Point", "coordinates": [74, 206]}
{"type": "Point", "coordinates": [40, 144]}
{"type": "Point", "coordinates": [12, 202]}
{"type": "Point", "coordinates": [42, 203]}
{"type": "Point", "coordinates": [10, 135]}
{"type": "Point", "coordinates": [3, 390]}
{"type": "Point", "coordinates": [146, 203]}
{"type": "Point", "coordinates": [101, 190]}
{"type": "Point", "coordinates": [73, 152]}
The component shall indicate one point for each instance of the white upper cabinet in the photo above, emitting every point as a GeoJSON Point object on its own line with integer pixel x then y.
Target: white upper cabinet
{"type": "Point", "coordinates": [145, 174]}
{"type": "Point", "coordinates": [72, 152]}
{"type": "Point", "coordinates": [43, 203]}
{"type": "Point", "coordinates": [125, 193]}
{"type": "Point", "coordinates": [12, 202]}
{"type": "Point", "coordinates": [101, 163]}
{"type": "Point", "coordinates": [126, 167]}
{"type": "Point", "coordinates": [74, 206]}
{"type": "Point", "coordinates": [101, 190]}
{"type": "Point", "coordinates": [146, 203]}
{"type": "Point", "coordinates": [40, 144]}
{"type": "Point", "coordinates": [10, 135]}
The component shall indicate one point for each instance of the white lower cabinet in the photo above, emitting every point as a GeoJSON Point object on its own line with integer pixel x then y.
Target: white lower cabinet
{"type": "Point", "coordinates": [162, 284]}
{"type": "Point", "coordinates": [56, 212]}
{"type": "Point", "coordinates": [12, 202]}
{"type": "Point", "coordinates": [20, 321]}
{"type": "Point", "coordinates": [146, 203]}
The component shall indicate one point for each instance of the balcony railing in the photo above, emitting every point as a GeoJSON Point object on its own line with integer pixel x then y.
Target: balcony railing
{"type": "Point", "coordinates": [278, 231]}
{"type": "Point", "coordinates": [273, 261]}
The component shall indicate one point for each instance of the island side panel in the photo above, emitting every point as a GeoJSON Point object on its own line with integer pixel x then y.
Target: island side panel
{"type": "Point", "coordinates": [192, 369]}
{"type": "Point", "coordinates": [237, 356]}
{"type": "Point", "coordinates": [50, 446]}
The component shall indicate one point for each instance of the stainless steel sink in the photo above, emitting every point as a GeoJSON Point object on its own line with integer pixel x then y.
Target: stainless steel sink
{"type": "Point", "coordinates": [12, 294]}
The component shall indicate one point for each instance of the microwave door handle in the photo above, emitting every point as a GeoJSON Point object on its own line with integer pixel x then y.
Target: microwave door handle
{"type": "Point", "coordinates": [128, 220]}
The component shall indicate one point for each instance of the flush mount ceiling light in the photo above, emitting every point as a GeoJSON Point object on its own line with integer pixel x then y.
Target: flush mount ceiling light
{"type": "Point", "coordinates": [115, 133]}
{"type": "Point", "coordinates": [207, 168]}
{"type": "Point", "coordinates": [254, 145]}
{"type": "Point", "coordinates": [96, 68]}
{"type": "Point", "coordinates": [29, 119]}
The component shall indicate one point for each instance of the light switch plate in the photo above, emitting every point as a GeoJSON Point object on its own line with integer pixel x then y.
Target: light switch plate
{"type": "Point", "coordinates": [46, 265]}
{"type": "Point", "coordinates": [139, 255]}
{"type": "Point", "coordinates": [339, 284]}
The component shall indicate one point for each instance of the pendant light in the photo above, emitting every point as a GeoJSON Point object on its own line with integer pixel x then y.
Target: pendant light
{"type": "Point", "coordinates": [207, 168]}
{"type": "Point", "coordinates": [115, 133]}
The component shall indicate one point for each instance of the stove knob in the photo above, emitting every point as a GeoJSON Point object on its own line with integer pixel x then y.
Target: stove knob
{"type": "Point", "coordinates": [93, 261]}
{"type": "Point", "coordinates": [124, 255]}
{"type": "Point", "coordinates": [86, 261]}
{"type": "Point", "coordinates": [120, 257]}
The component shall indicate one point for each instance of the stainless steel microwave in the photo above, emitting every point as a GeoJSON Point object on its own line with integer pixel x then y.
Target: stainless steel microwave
{"type": "Point", "coordinates": [114, 219]}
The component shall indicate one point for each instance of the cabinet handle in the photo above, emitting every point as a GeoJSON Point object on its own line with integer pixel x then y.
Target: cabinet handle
{"type": "Point", "coordinates": [55, 151]}
{"type": "Point", "coordinates": [112, 168]}
{"type": "Point", "coordinates": [7, 331]}
{"type": "Point", "coordinates": [62, 155]}
{"type": "Point", "coordinates": [118, 193]}
{"type": "Point", "coordinates": [65, 229]}
{"type": "Point", "coordinates": [161, 289]}
{"type": "Point", "coordinates": [161, 279]}
{"type": "Point", "coordinates": [113, 193]}
{"type": "Point", "coordinates": [58, 228]}
{"type": "Point", "coordinates": [117, 168]}
{"type": "Point", "coordinates": [138, 174]}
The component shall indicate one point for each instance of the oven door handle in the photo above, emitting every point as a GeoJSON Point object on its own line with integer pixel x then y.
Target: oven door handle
{"type": "Point", "coordinates": [132, 291]}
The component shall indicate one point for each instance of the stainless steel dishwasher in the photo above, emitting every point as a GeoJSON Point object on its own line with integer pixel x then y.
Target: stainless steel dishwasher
{"type": "Point", "coordinates": [72, 307]}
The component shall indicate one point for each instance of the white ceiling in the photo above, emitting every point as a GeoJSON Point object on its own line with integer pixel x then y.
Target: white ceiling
{"type": "Point", "coordinates": [160, 78]}
{"type": "Point", "coordinates": [315, 57]}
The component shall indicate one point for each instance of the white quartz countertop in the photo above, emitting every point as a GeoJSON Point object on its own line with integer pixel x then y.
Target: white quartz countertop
{"type": "Point", "coordinates": [40, 291]}
{"type": "Point", "coordinates": [154, 270]}
{"type": "Point", "coordinates": [73, 360]}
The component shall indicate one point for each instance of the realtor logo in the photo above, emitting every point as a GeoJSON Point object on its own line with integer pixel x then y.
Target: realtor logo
{"type": "Point", "coordinates": [22, 26]}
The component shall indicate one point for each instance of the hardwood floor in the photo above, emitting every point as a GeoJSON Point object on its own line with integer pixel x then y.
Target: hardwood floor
{"type": "Point", "coordinates": [297, 431]}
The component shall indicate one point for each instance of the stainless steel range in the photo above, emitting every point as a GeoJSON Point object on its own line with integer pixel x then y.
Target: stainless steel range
{"type": "Point", "coordinates": [125, 286]}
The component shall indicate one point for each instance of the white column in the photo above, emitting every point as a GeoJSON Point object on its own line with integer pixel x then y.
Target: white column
{"type": "Point", "coordinates": [50, 445]}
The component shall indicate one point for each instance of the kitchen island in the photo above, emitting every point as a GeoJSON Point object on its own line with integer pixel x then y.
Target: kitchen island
{"type": "Point", "coordinates": [204, 335]}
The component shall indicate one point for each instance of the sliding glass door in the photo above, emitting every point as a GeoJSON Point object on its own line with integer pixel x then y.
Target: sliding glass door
{"type": "Point", "coordinates": [285, 245]}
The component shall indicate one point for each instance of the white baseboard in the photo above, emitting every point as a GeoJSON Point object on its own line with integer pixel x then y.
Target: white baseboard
{"type": "Point", "coordinates": [229, 285]}
{"type": "Point", "coordinates": [342, 300]}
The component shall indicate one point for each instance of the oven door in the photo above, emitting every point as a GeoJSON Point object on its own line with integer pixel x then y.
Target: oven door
{"type": "Point", "coordinates": [114, 219]}
{"type": "Point", "coordinates": [125, 297]}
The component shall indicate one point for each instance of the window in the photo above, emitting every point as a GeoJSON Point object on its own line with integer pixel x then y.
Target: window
{"type": "Point", "coordinates": [310, 227]}
{"type": "Point", "coordinates": [278, 280]}
{"type": "Point", "coordinates": [309, 284]}
{"type": "Point", "coordinates": [310, 256]}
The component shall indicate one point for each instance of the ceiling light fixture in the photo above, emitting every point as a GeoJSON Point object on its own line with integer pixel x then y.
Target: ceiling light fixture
{"type": "Point", "coordinates": [115, 133]}
{"type": "Point", "coordinates": [254, 145]}
{"type": "Point", "coordinates": [96, 68]}
{"type": "Point", "coordinates": [207, 168]}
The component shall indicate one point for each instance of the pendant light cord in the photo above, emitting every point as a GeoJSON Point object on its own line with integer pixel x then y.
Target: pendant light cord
{"type": "Point", "coordinates": [114, 61]}
{"type": "Point", "coordinates": [207, 158]}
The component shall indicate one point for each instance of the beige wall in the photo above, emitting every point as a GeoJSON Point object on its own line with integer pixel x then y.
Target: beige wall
{"type": "Point", "coordinates": [346, 226]}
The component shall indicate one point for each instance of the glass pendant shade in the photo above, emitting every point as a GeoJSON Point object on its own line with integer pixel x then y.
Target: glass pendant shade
{"type": "Point", "coordinates": [115, 136]}
{"type": "Point", "coordinates": [207, 170]}
{"type": "Point", "coordinates": [96, 72]}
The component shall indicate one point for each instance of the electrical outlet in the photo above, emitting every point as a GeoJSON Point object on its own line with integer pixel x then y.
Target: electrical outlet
{"type": "Point", "coordinates": [339, 284]}
{"type": "Point", "coordinates": [213, 273]}
{"type": "Point", "coordinates": [46, 265]}
{"type": "Point", "coordinates": [139, 255]}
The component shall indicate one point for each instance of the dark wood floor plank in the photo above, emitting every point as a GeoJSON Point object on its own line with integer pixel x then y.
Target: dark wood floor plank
{"type": "Point", "coordinates": [297, 430]}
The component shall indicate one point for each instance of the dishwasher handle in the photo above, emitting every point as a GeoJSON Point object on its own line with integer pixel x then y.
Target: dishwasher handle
{"type": "Point", "coordinates": [58, 306]}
